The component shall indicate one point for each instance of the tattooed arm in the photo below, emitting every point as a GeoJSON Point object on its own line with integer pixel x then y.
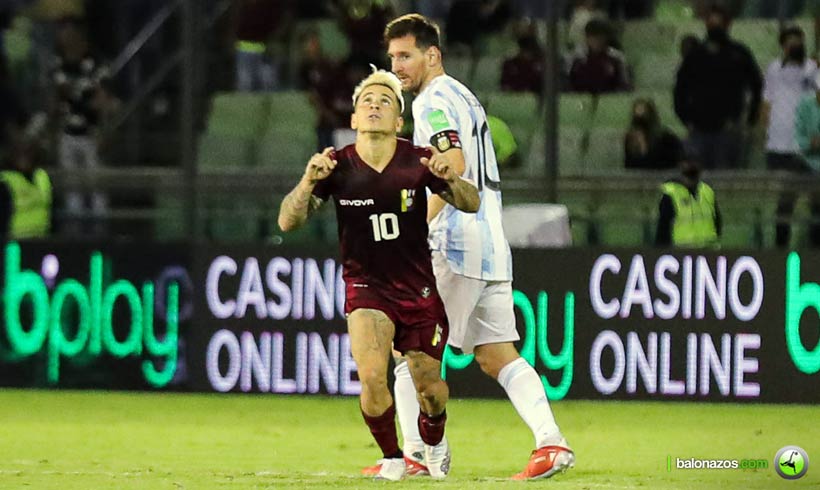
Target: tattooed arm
{"type": "Point", "coordinates": [300, 203]}
{"type": "Point", "coordinates": [459, 192]}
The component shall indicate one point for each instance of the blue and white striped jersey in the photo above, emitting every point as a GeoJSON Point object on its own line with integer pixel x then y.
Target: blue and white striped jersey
{"type": "Point", "coordinates": [474, 244]}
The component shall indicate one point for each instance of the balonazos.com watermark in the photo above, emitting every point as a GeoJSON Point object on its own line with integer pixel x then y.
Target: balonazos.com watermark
{"type": "Point", "coordinates": [675, 463]}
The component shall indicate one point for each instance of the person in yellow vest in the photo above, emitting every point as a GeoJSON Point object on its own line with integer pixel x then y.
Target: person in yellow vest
{"type": "Point", "coordinates": [688, 212]}
{"type": "Point", "coordinates": [25, 193]}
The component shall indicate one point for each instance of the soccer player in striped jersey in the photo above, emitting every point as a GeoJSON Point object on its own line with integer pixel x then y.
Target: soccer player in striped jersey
{"type": "Point", "coordinates": [471, 256]}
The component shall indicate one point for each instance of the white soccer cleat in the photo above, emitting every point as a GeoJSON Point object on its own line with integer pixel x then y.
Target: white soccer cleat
{"type": "Point", "coordinates": [392, 469]}
{"type": "Point", "coordinates": [438, 459]}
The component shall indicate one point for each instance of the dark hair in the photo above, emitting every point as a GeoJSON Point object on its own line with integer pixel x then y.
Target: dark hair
{"type": "Point", "coordinates": [426, 32]}
{"type": "Point", "coordinates": [788, 31]}
{"type": "Point", "coordinates": [597, 27]}
{"type": "Point", "coordinates": [718, 9]}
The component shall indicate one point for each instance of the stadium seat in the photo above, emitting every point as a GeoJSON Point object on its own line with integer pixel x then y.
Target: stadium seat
{"type": "Point", "coordinates": [626, 219]}
{"type": "Point", "coordinates": [500, 44]}
{"type": "Point", "coordinates": [487, 74]}
{"type": "Point", "coordinates": [291, 108]}
{"type": "Point", "coordinates": [217, 150]}
{"type": "Point", "coordinates": [642, 37]}
{"type": "Point", "coordinates": [579, 205]}
{"type": "Point", "coordinates": [656, 71]}
{"type": "Point", "coordinates": [335, 43]}
{"type": "Point", "coordinates": [571, 149]}
{"type": "Point", "coordinates": [460, 68]}
{"type": "Point", "coordinates": [613, 111]}
{"type": "Point", "coordinates": [238, 114]}
{"type": "Point", "coordinates": [287, 148]}
{"type": "Point", "coordinates": [674, 11]}
{"type": "Point", "coordinates": [575, 110]}
{"type": "Point", "coordinates": [760, 36]}
{"type": "Point", "coordinates": [605, 154]}
{"type": "Point", "coordinates": [519, 110]}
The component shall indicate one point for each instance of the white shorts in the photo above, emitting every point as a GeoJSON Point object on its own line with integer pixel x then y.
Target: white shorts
{"type": "Point", "coordinates": [479, 312]}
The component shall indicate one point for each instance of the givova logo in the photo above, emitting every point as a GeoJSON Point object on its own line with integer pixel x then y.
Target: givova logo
{"type": "Point", "coordinates": [799, 297]}
{"type": "Point", "coordinates": [93, 307]}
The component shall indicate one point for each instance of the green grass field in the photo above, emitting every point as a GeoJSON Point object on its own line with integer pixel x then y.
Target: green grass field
{"type": "Point", "coordinates": [94, 440]}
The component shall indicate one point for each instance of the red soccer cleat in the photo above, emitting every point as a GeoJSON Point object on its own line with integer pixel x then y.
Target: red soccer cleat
{"type": "Point", "coordinates": [547, 461]}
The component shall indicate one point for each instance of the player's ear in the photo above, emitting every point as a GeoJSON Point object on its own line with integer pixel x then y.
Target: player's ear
{"type": "Point", "coordinates": [433, 56]}
{"type": "Point", "coordinates": [399, 124]}
{"type": "Point", "coordinates": [353, 122]}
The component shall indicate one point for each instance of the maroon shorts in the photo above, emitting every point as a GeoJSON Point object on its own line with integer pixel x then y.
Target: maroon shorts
{"type": "Point", "coordinates": [420, 325]}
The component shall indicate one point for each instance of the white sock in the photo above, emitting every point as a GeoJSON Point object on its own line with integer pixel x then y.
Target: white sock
{"type": "Point", "coordinates": [407, 409]}
{"type": "Point", "coordinates": [525, 391]}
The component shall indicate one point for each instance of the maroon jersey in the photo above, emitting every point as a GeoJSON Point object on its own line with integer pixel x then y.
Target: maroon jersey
{"type": "Point", "coordinates": [382, 219]}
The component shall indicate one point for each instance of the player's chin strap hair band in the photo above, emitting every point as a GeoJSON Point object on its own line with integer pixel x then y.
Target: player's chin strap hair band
{"type": "Point", "coordinates": [383, 78]}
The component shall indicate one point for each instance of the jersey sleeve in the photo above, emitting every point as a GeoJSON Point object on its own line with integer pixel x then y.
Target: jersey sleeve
{"type": "Point", "coordinates": [438, 124]}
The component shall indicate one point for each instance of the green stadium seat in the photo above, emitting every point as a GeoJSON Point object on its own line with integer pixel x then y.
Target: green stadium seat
{"type": "Point", "coordinates": [240, 114]}
{"type": "Point", "coordinates": [487, 74]}
{"type": "Point", "coordinates": [287, 148]}
{"type": "Point", "coordinates": [520, 110]}
{"type": "Point", "coordinates": [674, 11]}
{"type": "Point", "coordinates": [291, 108]}
{"type": "Point", "coordinates": [335, 43]}
{"type": "Point", "coordinates": [642, 37]}
{"type": "Point", "coordinates": [575, 110]}
{"type": "Point", "coordinates": [613, 111]}
{"type": "Point", "coordinates": [605, 154]}
{"type": "Point", "coordinates": [501, 44]}
{"type": "Point", "coordinates": [460, 68]}
{"type": "Point", "coordinates": [656, 71]}
{"type": "Point", "coordinates": [571, 149]}
{"type": "Point", "coordinates": [218, 150]}
{"type": "Point", "coordinates": [626, 219]}
{"type": "Point", "coordinates": [760, 36]}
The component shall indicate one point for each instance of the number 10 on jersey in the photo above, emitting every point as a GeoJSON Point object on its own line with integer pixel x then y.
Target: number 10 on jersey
{"type": "Point", "coordinates": [385, 226]}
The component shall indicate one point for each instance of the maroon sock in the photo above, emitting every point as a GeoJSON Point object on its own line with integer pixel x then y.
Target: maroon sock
{"type": "Point", "coordinates": [383, 428]}
{"type": "Point", "coordinates": [431, 429]}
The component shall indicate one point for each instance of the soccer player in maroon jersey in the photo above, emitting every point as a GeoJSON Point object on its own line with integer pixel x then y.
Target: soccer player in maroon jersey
{"type": "Point", "coordinates": [379, 188]}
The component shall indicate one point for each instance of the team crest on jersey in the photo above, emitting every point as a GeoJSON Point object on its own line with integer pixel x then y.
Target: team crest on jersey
{"type": "Point", "coordinates": [407, 199]}
{"type": "Point", "coordinates": [437, 335]}
{"type": "Point", "coordinates": [425, 292]}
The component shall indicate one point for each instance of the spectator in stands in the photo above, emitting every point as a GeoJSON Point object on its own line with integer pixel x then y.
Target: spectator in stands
{"type": "Point", "coordinates": [470, 19]}
{"type": "Point", "coordinates": [329, 92]}
{"type": "Point", "coordinates": [364, 21]}
{"type": "Point", "coordinates": [807, 134]}
{"type": "Point", "coordinates": [81, 99]}
{"type": "Point", "coordinates": [787, 80]}
{"type": "Point", "coordinates": [524, 72]}
{"type": "Point", "coordinates": [584, 11]}
{"type": "Point", "coordinates": [12, 112]}
{"type": "Point", "coordinates": [713, 84]}
{"type": "Point", "coordinates": [257, 22]}
{"type": "Point", "coordinates": [688, 214]}
{"type": "Point", "coordinates": [648, 145]}
{"type": "Point", "coordinates": [688, 44]}
{"type": "Point", "coordinates": [596, 67]}
{"type": "Point", "coordinates": [631, 9]}
{"type": "Point", "coordinates": [25, 188]}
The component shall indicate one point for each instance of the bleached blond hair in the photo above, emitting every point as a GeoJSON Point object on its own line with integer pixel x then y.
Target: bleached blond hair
{"type": "Point", "coordinates": [383, 78]}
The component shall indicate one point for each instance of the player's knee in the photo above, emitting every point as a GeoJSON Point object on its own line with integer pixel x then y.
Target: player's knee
{"type": "Point", "coordinates": [373, 379]}
{"type": "Point", "coordinates": [488, 363]}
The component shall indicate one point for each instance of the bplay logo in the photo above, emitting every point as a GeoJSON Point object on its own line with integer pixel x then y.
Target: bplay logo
{"type": "Point", "coordinates": [78, 318]}
{"type": "Point", "coordinates": [799, 297]}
